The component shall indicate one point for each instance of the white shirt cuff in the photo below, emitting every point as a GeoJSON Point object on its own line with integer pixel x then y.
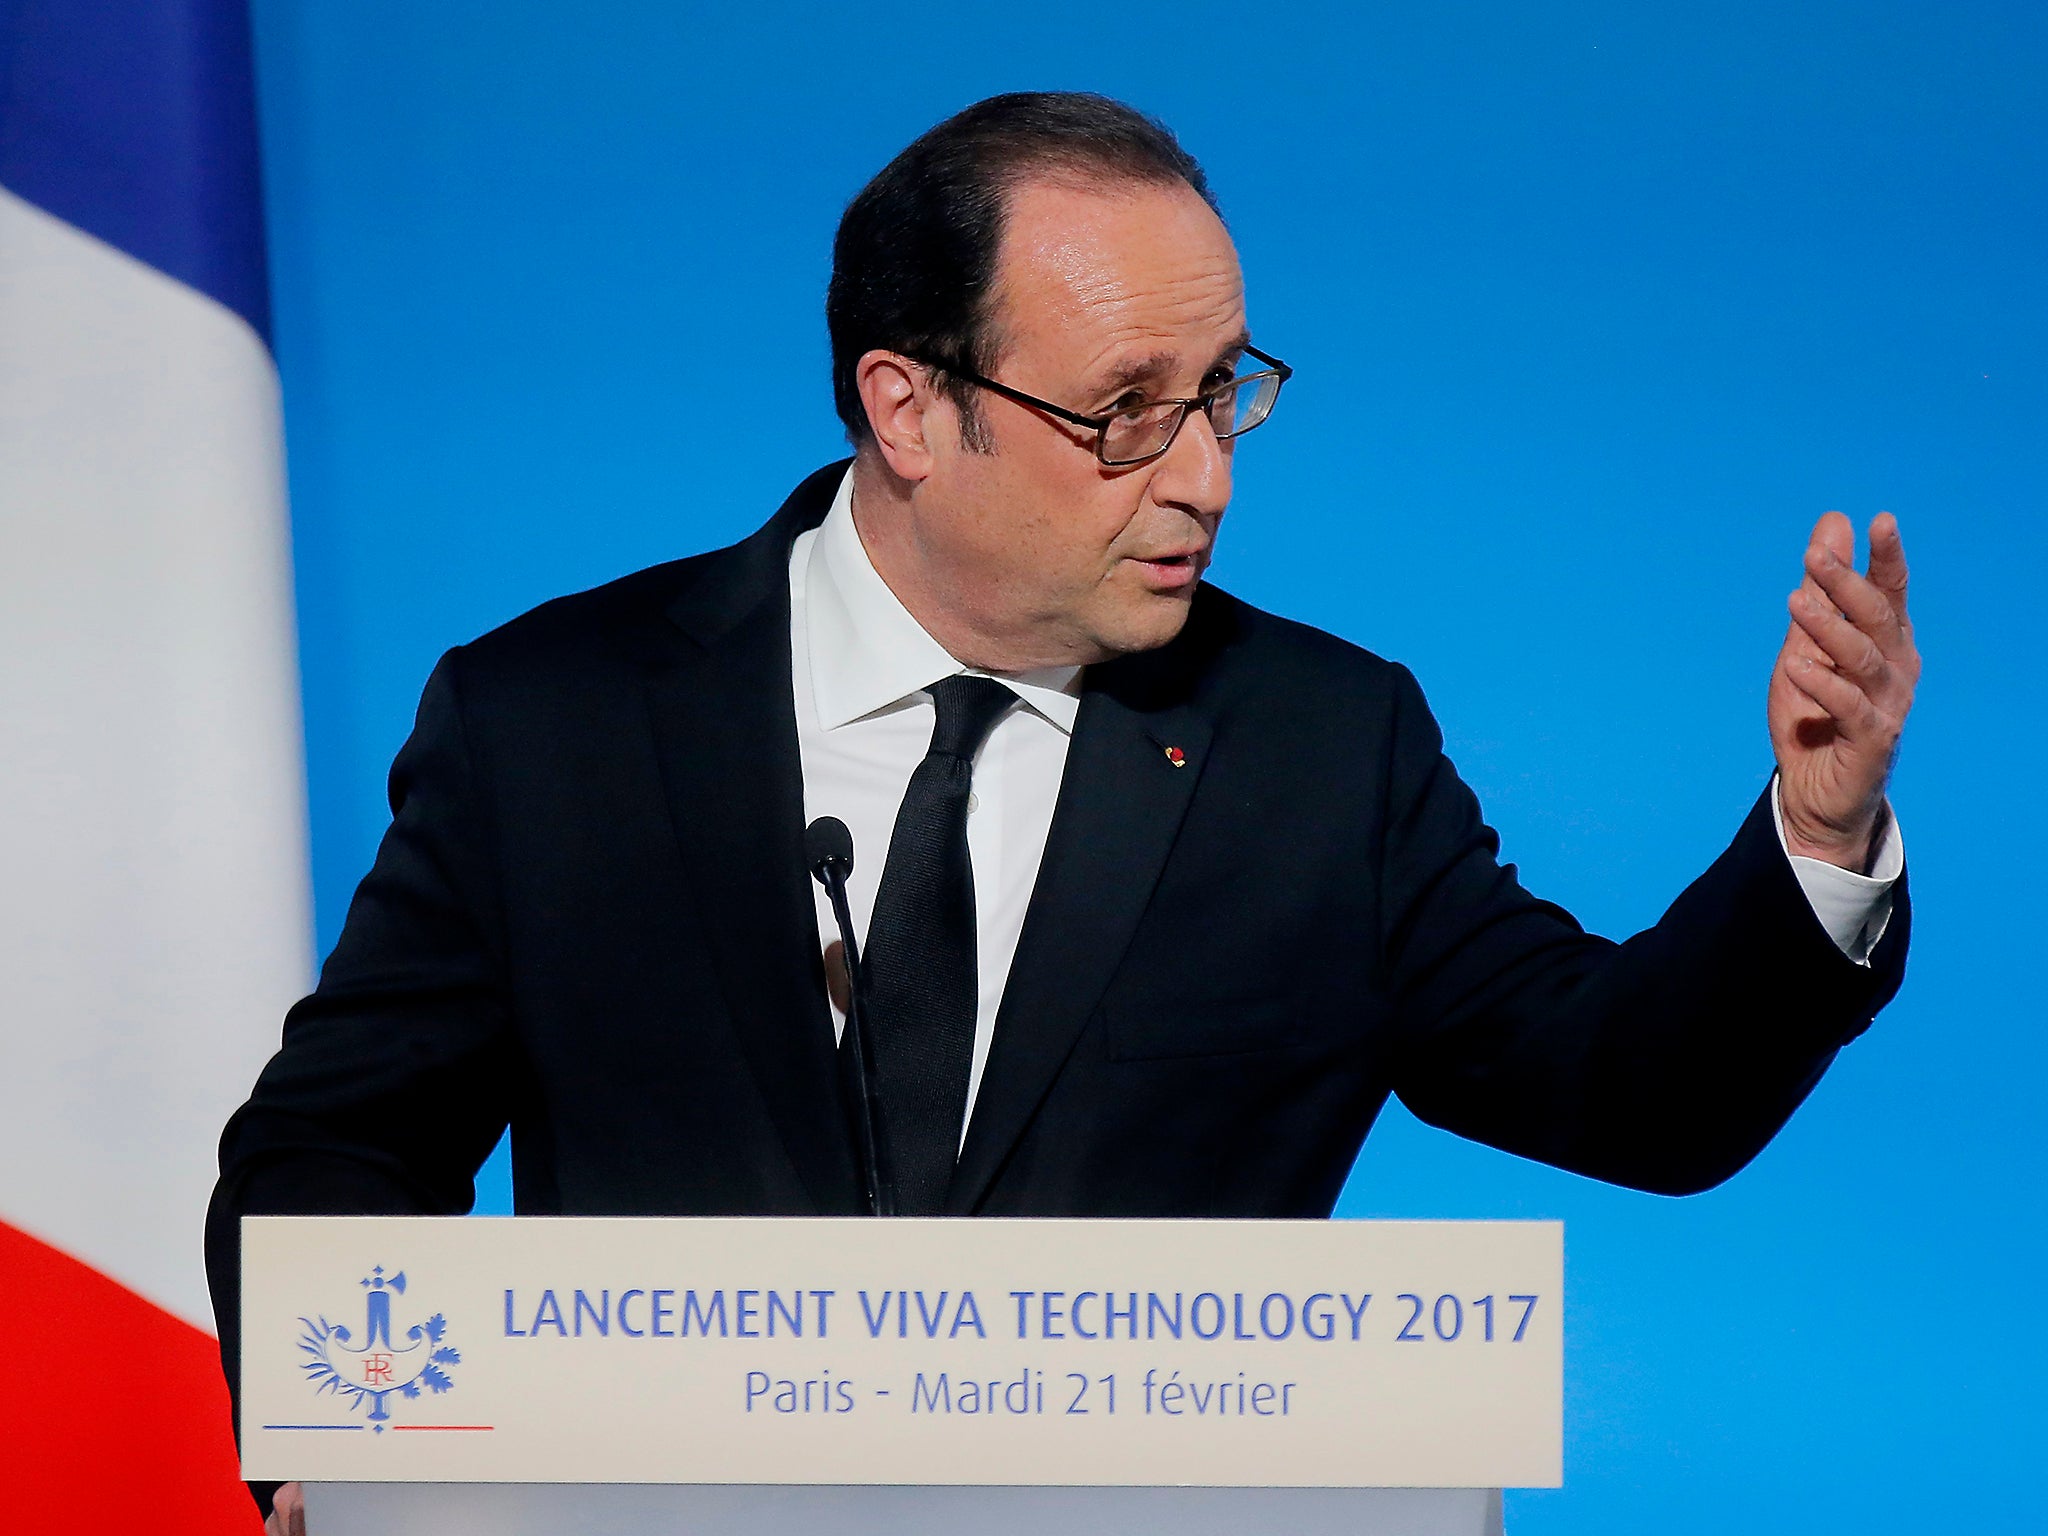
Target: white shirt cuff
{"type": "Point", "coordinates": [1853, 908]}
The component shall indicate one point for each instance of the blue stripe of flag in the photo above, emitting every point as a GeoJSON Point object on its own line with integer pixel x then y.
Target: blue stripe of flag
{"type": "Point", "coordinates": [135, 120]}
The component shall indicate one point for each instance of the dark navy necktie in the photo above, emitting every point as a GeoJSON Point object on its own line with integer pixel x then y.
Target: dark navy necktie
{"type": "Point", "coordinates": [922, 990]}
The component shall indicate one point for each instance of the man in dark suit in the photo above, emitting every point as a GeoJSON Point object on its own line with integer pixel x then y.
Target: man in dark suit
{"type": "Point", "coordinates": [1162, 895]}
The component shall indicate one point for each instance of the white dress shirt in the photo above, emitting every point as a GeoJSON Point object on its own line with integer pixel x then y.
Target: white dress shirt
{"type": "Point", "coordinates": [861, 666]}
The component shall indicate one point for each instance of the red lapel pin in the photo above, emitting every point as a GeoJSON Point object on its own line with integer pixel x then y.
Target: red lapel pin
{"type": "Point", "coordinates": [1175, 756]}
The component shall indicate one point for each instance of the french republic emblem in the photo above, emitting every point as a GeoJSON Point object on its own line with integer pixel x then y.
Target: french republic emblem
{"type": "Point", "coordinates": [368, 1371]}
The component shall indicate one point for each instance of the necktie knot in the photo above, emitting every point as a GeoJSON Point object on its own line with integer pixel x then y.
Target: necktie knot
{"type": "Point", "coordinates": [967, 708]}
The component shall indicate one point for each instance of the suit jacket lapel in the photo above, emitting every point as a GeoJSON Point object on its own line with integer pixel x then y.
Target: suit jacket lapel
{"type": "Point", "coordinates": [1136, 757]}
{"type": "Point", "coordinates": [724, 726]}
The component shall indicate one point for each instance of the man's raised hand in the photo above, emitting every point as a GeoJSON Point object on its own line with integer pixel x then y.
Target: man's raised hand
{"type": "Point", "coordinates": [1841, 690]}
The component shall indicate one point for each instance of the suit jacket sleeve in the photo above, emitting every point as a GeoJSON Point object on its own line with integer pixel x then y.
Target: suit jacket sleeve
{"type": "Point", "coordinates": [1665, 1062]}
{"type": "Point", "coordinates": [393, 1081]}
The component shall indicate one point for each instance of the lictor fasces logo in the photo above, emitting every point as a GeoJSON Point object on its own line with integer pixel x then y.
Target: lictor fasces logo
{"type": "Point", "coordinates": [368, 1370]}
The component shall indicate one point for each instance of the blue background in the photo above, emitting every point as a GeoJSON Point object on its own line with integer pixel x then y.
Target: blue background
{"type": "Point", "coordinates": [1594, 308]}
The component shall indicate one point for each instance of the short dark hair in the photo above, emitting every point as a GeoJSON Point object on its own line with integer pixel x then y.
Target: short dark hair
{"type": "Point", "coordinates": [913, 265]}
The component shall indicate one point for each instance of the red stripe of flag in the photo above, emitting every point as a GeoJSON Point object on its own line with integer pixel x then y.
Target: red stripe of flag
{"type": "Point", "coordinates": [114, 1413]}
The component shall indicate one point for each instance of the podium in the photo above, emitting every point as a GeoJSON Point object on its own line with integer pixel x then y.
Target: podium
{"type": "Point", "coordinates": [777, 1376]}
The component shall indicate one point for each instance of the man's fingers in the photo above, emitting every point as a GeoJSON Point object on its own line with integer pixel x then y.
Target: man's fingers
{"type": "Point", "coordinates": [1847, 648]}
{"type": "Point", "coordinates": [1888, 562]}
{"type": "Point", "coordinates": [1836, 534]}
{"type": "Point", "coordinates": [1799, 643]}
{"type": "Point", "coordinates": [1795, 637]}
{"type": "Point", "coordinates": [1869, 609]}
{"type": "Point", "coordinates": [287, 1511]}
{"type": "Point", "coordinates": [1846, 704]}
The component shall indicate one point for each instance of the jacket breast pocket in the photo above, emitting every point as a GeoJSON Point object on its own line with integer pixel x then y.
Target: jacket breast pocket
{"type": "Point", "coordinates": [1162, 1028]}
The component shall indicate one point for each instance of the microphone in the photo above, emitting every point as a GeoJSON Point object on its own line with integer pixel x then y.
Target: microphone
{"type": "Point", "coordinates": [828, 851]}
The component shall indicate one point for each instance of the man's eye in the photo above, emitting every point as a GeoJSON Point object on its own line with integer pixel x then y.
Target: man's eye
{"type": "Point", "coordinates": [1129, 400]}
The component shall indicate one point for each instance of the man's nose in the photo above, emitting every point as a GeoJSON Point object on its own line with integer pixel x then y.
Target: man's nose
{"type": "Point", "coordinates": [1194, 472]}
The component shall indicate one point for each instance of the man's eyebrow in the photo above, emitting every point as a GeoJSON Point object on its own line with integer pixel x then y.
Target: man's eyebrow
{"type": "Point", "coordinates": [1138, 370]}
{"type": "Point", "coordinates": [1149, 366]}
{"type": "Point", "coordinates": [1234, 348]}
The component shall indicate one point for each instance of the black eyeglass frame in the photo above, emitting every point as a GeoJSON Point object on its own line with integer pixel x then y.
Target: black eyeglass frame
{"type": "Point", "coordinates": [1100, 425]}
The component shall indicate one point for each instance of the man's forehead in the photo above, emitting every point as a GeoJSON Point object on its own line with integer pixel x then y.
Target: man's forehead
{"type": "Point", "coordinates": [1134, 274]}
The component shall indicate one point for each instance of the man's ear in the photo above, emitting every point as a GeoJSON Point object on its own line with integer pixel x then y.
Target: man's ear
{"type": "Point", "coordinates": [902, 411]}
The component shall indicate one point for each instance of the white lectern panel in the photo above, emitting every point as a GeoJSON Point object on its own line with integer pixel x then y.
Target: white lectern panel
{"type": "Point", "coordinates": [991, 1353]}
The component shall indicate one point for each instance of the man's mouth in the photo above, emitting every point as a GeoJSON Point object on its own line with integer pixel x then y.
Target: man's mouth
{"type": "Point", "coordinates": [1170, 571]}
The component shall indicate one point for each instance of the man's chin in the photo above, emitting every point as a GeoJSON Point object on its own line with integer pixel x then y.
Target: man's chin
{"type": "Point", "coordinates": [1146, 623]}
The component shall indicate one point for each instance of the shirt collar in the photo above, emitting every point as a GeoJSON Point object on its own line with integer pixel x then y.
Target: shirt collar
{"type": "Point", "coordinates": [867, 652]}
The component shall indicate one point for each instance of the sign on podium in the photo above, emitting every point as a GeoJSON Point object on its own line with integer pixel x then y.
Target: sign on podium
{"type": "Point", "coordinates": [867, 1370]}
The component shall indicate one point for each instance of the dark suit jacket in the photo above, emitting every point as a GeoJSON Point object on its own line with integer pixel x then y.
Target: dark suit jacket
{"type": "Point", "coordinates": [591, 919]}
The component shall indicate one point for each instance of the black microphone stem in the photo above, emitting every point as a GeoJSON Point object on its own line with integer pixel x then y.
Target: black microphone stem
{"type": "Point", "coordinates": [881, 1200]}
{"type": "Point", "coordinates": [828, 850]}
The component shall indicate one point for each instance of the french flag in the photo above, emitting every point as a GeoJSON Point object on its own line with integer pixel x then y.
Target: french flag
{"type": "Point", "coordinates": [154, 903]}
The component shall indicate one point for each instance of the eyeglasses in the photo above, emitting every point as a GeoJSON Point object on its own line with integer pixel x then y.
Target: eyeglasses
{"type": "Point", "coordinates": [1145, 431]}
